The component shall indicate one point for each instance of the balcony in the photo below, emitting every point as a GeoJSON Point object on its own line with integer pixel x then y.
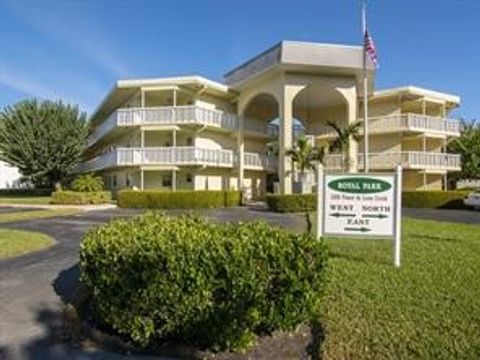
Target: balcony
{"type": "Point", "coordinates": [255, 161]}
{"type": "Point", "coordinates": [169, 156]}
{"type": "Point", "coordinates": [177, 156]}
{"type": "Point", "coordinates": [414, 160]}
{"type": "Point", "coordinates": [178, 115]}
{"type": "Point", "coordinates": [403, 123]}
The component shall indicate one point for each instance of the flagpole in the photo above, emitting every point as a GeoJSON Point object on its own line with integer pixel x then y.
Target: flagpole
{"type": "Point", "coordinates": [365, 91]}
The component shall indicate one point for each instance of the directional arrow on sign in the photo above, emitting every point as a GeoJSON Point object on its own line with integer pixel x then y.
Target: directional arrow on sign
{"type": "Point", "coordinates": [361, 229]}
{"type": "Point", "coordinates": [337, 215]}
{"type": "Point", "coordinates": [375, 216]}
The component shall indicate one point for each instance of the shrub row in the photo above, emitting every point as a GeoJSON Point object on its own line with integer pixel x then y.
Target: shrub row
{"type": "Point", "coordinates": [292, 203]}
{"type": "Point", "coordinates": [155, 278]}
{"type": "Point", "coordinates": [67, 197]}
{"type": "Point", "coordinates": [25, 192]}
{"type": "Point", "coordinates": [415, 199]}
{"type": "Point", "coordinates": [434, 199]}
{"type": "Point", "coordinates": [157, 199]}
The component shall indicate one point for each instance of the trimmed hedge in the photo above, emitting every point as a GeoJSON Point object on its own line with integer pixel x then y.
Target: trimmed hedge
{"type": "Point", "coordinates": [67, 197]}
{"type": "Point", "coordinates": [435, 199]}
{"type": "Point", "coordinates": [25, 192]}
{"type": "Point", "coordinates": [292, 203]}
{"type": "Point", "coordinates": [157, 199]}
{"type": "Point", "coordinates": [156, 278]}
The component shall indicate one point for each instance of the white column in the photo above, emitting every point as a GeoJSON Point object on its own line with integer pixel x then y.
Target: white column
{"type": "Point", "coordinates": [240, 150]}
{"type": "Point", "coordinates": [174, 96]}
{"type": "Point", "coordinates": [352, 144]}
{"type": "Point", "coordinates": [142, 180]}
{"type": "Point", "coordinates": [174, 180]}
{"type": "Point", "coordinates": [424, 107]}
{"type": "Point", "coordinates": [285, 142]}
{"type": "Point", "coordinates": [142, 98]}
{"type": "Point", "coordinates": [174, 138]}
{"type": "Point", "coordinates": [142, 138]}
{"type": "Point", "coordinates": [424, 147]}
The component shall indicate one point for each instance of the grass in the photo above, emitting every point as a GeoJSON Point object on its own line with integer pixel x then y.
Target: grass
{"type": "Point", "coordinates": [34, 200]}
{"type": "Point", "coordinates": [34, 214]}
{"type": "Point", "coordinates": [18, 242]}
{"type": "Point", "coordinates": [427, 309]}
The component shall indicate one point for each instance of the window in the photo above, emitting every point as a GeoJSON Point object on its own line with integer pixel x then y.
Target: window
{"type": "Point", "coordinates": [114, 181]}
{"type": "Point", "coordinates": [167, 180]}
{"type": "Point", "coordinates": [189, 141]}
{"type": "Point", "coordinates": [189, 178]}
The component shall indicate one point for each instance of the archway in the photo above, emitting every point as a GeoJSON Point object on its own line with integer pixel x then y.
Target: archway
{"type": "Point", "coordinates": [261, 127]}
{"type": "Point", "coordinates": [318, 103]}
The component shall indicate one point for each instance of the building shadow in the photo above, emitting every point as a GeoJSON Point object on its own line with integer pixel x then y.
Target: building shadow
{"type": "Point", "coordinates": [58, 343]}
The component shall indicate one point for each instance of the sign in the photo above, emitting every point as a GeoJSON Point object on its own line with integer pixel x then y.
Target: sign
{"type": "Point", "coordinates": [360, 205]}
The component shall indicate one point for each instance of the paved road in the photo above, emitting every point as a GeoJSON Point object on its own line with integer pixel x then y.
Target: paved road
{"type": "Point", "coordinates": [455, 216]}
{"type": "Point", "coordinates": [33, 286]}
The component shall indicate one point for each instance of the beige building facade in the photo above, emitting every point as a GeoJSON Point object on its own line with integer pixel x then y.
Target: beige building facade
{"type": "Point", "coordinates": [193, 133]}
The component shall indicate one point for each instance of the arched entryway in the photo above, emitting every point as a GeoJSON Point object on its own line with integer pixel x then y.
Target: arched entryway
{"type": "Point", "coordinates": [260, 143]}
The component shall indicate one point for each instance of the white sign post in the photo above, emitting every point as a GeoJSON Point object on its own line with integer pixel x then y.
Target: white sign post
{"type": "Point", "coordinates": [360, 205]}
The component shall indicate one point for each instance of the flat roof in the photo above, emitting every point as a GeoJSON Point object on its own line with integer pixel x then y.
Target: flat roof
{"type": "Point", "coordinates": [123, 89]}
{"type": "Point", "coordinates": [327, 58]}
{"type": "Point", "coordinates": [419, 92]}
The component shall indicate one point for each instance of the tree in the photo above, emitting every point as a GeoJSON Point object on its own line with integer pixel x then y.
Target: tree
{"type": "Point", "coordinates": [341, 143]}
{"type": "Point", "coordinates": [468, 146]}
{"type": "Point", "coordinates": [44, 140]}
{"type": "Point", "coordinates": [304, 155]}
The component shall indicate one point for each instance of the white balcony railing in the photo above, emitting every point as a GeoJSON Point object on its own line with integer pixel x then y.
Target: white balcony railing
{"type": "Point", "coordinates": [167, 115]}
{"type": "Point", "coordinates": [408, 159]}
{"type": "Point", "coordinates": [178, 115]}
{"type": "Point", "coordinates": [256, 161]}
{"type": "Point", "coordinates": [414, 122]}
{"type": "Point", "coordinates": [401, 122]}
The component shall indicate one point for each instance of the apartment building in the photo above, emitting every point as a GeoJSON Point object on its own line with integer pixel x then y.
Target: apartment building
{"type": "Point", "coordinates": [194, 133]}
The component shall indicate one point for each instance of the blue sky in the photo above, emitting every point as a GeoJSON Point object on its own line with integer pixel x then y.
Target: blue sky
{"type": "Point", "coordinates": [75, 50]}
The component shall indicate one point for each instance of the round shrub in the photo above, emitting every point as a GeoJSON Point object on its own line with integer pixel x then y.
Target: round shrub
{"type": "Point", "coordinates": [156, 278]}
{"type": "Point", "coordinates": [88, 183]}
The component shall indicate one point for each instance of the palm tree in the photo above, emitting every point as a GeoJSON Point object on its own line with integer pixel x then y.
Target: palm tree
{"type": "Point", "coordinates": [304, 155]}
{"type": "Point", "coordinates": [341, 143]}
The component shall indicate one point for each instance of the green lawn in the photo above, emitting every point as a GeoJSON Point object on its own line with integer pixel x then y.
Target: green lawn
{"type": "Point", "coordinates": [34, 214]}
{"type": "Point", "coordinates": [34, 200]}
{"type": "Point", "coordinates": [17, 242]}
{"type": "Point", "coordinates": [427, 309]}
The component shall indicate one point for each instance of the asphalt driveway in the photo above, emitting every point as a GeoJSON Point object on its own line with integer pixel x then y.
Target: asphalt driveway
{"type": "Point", "coordinates": [33, 287]}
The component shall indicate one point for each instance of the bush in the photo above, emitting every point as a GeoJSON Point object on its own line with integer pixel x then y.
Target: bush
{"type": "Point", "coordinates": [155, 278]}
{"type": "Point", "coordinates": [25, 192]}
{"type": "Point", "coordinates": [157, 199]}
{"type": "Point", "coordinates": [434, 199]}
{"type": "Point", "coordinates": [65, 197]}
{"type": "Point", "coordinates": [87, 183]}
{"type": "Point", "coordinates": [292, 203]}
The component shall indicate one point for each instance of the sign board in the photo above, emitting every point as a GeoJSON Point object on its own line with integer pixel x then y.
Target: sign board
{"type": "Point", "coordinates": [360, 205]}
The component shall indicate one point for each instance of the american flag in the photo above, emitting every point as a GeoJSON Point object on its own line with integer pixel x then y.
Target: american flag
{"type": "Point", "coordinates": [370, 48]}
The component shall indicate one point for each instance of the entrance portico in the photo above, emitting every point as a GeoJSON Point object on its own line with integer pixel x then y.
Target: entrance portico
{"type": "Point", "coordinates": [297, 84]}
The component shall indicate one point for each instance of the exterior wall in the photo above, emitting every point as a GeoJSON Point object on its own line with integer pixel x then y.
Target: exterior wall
{"type": "Point", "coordinates": [211, 102]}
{"type": "Point", "coordinates": [384, 143]}
{"type": "Point", "coordinates": [383, 107]}
{"type": "Point", "coordinates": [215, 179]}
{"type": "Point", "coordinates": [413, 180]}
{"type": "Point", "coordinates": [214, 140]}
{"type": "Point", "coordinates": [8, 175]}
